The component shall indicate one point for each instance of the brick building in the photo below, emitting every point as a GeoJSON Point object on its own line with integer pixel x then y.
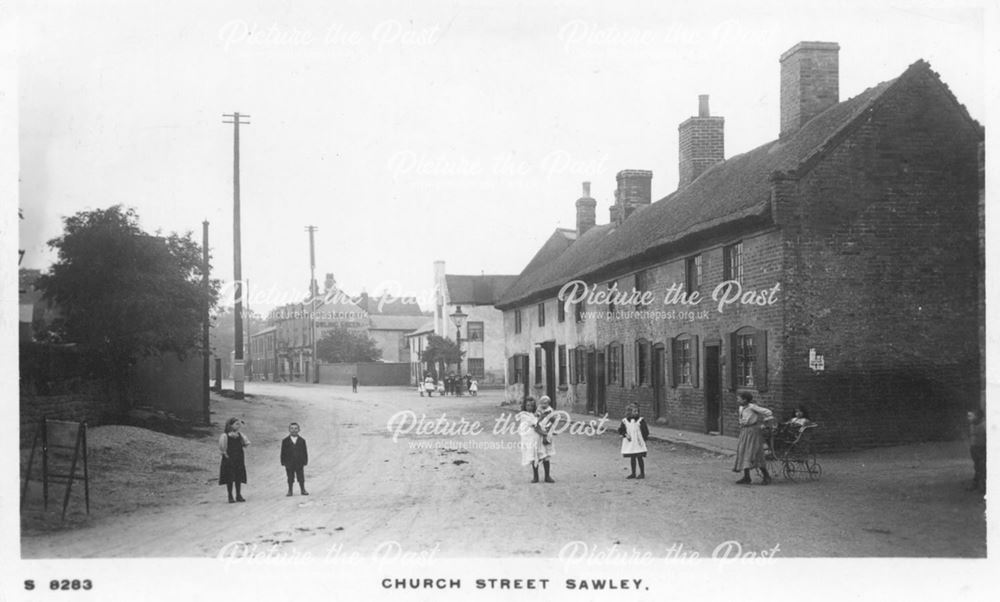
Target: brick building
{"type": "Point", "coordinates": [848, 249]}
{"type": "Point", "coordinates": [384, 318]}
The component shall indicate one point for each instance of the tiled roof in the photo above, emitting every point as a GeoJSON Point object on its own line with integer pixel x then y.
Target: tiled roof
{"type": "Point", "coordinates": [422, 329]}
{"type": "Point", "coordinates": [387, 322]}
{"type": "Point", "coordinates": [733, 190]}
{"type": "Point", "coordinates": [402, 306]}
{"type": "Point", "coordinates": [476, 290]}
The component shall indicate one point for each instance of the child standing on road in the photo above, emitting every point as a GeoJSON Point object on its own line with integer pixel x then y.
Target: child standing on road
{"type": "Point", "coordinates": [233, 468]}
{"type": "Point", "coordinates": [634, 432]}
{"type": "Point", "coordinates": [294, 457]}
{"type": "Point", "coordinates": [474, 387]}
{"type": "Point", "coordinates": [546, 418]}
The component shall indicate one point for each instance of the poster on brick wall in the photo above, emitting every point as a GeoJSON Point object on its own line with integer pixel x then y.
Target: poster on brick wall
{"type": "Point", "coordinates": [499, 299]}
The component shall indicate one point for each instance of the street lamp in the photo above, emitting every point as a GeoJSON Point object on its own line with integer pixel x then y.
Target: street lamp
{"type": "Point", "coordinates": [459, 319]}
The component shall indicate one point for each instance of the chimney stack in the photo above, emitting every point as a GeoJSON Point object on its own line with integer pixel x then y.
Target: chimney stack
{"type": "Point", "coordinates": [586, 212]}
{"type": "Point", "coordinates": [810, 84]}
{"type": "Point", "coordinates": [634, 190]}
{"type": "Point", "coordinates": [701, 143]}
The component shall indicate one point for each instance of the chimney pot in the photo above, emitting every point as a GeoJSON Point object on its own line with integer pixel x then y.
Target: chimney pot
{"type": "Point", "coordinates": [703, 105]}
{"type": "Point", "coordinates": [586, 212]}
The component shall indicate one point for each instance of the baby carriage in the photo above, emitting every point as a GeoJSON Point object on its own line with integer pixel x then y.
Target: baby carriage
{"type": "Point", "coordinates": [787, 446]}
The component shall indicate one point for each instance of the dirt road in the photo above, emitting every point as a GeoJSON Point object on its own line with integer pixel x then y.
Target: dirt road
{"type": "Point", "coordinates": [467, 495]}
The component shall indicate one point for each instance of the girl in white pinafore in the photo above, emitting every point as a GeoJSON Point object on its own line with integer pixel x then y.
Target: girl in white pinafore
{"type": "Point", "coordinates": [532, 450]}
{"type": "Point", "coordinates": [634, 433]}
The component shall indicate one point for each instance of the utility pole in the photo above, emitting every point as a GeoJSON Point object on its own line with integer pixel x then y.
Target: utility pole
{"type": "Point", "coordinates": [206, 352]}
{"type": "Point", "coordinates": [236, 120]}
{"type": "Point", "coordinates": [249, 314]}
{"type": "Point", "coordinates": [313, 293]}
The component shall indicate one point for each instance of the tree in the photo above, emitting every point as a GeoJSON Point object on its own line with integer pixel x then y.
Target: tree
{"type": "Point", "coordinates": [123, 293]}
{"type": "Point", "coordinates": [440, 351]}
{"type": "Point", "coordinates": [342, 345]}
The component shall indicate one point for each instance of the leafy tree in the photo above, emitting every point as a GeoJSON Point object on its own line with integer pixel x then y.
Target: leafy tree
{"type": "Point", "coordinates": [342, 345]}
{"type": "Point", "coordinates": [440, 352]}
{"type": "Point", "coordinates": [123, 293]}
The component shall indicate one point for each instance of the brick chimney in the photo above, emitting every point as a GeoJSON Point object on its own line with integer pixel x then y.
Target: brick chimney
{"type": "Point", "coordinates": [634, 190]}
{"type": "Point", "coordinates": [701, 143]}
{"type": "Point", "coordinates": [586, 211]}
{"type": "Point", "coordinates": [810, 84]}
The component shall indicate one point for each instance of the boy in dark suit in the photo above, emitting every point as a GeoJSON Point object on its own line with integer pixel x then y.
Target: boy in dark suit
{"type": "Point", "coordinates": [294, 457]}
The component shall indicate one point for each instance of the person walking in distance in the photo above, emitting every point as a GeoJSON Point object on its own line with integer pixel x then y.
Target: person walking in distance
{"type": "Point", "coordinates": [294, 457]}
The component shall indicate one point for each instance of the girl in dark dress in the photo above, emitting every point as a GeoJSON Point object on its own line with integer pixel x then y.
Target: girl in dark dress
{"type": "Point", "coordinates": [233, 469]}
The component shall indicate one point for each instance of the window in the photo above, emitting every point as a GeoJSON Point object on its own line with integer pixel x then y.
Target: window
{"type": "Point", "coordinates": [561, 310]}
{"type": "Point", "coordinates": [517, 368]}
{"type": "Point", "coordinates": [692, 274]}
{"type": "Point", "coordinates": [732, 262]}
{"type": "Point", "coordinates": [612, 295]}
{"type": "Point", "coordinates": [580, 307]}
{"type": "Point", "coordinates": [746, 356]}
{"type": "Point", "coordinates": [475, 331]}
{"type": "Point", "coordinates": [644, 281]}
{"type": "Point", "coordinates": [749, 359]}
{"type": "Point", "coordinates": [541, 314]}
{"type": "Point", "coordinates": [642, 362]}
{"type": "Point", "coordinates": [517, 321]}
{"type": "Point", "coordinates": [538, 365]}
{"type": "Point", "coordinates": [562, 365]}
{"type": "Point", "coordinates": [580, 368]}
{"type": "Point", "coordinates": [615, 366]}
{"type": "Point", "coordinates": [684, 360]}
{"type": "Point", "coordinates": [476, 367]}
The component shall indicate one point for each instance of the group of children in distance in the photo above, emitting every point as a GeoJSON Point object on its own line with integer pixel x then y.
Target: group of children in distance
{"type": "Point", "coordinates": [453, 387]}
{"type": "Point", "coordinates": [233, 468]}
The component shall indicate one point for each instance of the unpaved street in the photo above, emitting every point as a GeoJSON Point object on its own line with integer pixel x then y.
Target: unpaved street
{"type": "Point", "coordinates": [454, 496]}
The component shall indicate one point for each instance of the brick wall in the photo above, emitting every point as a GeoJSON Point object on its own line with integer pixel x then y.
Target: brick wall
{"type": "Point", "coordinates": [881, 245]}
{"type": "Point", "coordinates": [78, 407]}
{"type": "Point", "coordinates": [685, 405]}
{"type": "Point", "coordinates": [370, 374]}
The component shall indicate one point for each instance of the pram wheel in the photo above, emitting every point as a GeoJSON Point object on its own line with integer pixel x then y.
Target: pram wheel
{"type": "Point", "coordinates": [815, 470]}
{"type": "Point", "coordinates": [788, 470]}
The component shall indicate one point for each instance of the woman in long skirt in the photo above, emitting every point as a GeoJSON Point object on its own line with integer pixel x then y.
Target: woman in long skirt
{"type": "Point", "coordinates": [750, 445]}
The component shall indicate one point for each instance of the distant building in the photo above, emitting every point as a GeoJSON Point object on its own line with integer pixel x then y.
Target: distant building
{"type": "Point", "coordinates": [385, 319]}
{"type": "Point", "coordinates": [482, 335]}
{"type": "Point", "coordinates": [417, 342]}
{"type": "Point", "coordinates": [264, 353]}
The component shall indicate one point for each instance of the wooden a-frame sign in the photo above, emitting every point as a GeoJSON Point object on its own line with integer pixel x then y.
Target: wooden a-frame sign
{"type": "Point", "coordinates": [60, 435]}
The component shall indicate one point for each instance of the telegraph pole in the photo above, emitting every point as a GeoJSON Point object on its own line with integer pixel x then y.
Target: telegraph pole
{"type": "Point", "coordinates": [206, 352]}
{"type": "Point", "coordinates": [236, 120]}
{"type": "Point", "coordinates": [313, 293]}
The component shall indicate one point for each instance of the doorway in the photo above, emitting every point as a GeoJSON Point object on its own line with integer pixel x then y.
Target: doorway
{"type": "Point", "coordinates": [659, 380]}
{"type": "Point", "coordinates": [713, 390]}
{"type": "Point", "coordinates": [602, 386]}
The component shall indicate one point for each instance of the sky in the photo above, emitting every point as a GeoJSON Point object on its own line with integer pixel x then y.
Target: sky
{"type": "Point", "coordinates": [409, 133]}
